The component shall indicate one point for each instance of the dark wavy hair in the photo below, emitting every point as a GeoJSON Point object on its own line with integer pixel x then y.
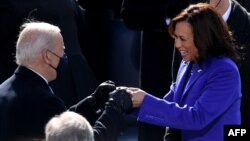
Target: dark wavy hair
{"type": "Point", "coordinates": [211, 34]}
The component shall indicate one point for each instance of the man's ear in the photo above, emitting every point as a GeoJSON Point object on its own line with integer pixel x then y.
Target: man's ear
{"type": "Point", "coordinates": [46, 56]}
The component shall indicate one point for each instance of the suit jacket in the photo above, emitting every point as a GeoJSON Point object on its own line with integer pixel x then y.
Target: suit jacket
{"type": "Point", "coordinates": [27, 103]}
{"type": "Point", "coordinates": [201, 105]}
{"type": "Point", "coordinates": [239, 23]}
{"type": "Point", "coordinates": [245, 3]}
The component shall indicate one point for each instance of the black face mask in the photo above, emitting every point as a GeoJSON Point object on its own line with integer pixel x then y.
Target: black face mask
{"type": "Point", "coordinates": [63, 64]}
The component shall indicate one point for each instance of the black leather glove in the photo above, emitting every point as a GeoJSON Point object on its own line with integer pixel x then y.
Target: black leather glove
{"type": "Point", "coordinates": [101, 94]}
{"type": "Point", "coordinates": [85, 108]}
{"type": "Point", "coordinates": [120, 100]}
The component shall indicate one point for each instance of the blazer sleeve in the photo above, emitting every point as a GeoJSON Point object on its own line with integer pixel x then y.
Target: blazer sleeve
{"type": "Point", "coordinates": [218, 93]}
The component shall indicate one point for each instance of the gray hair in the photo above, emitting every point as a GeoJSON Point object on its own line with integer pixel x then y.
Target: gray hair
{"type": "Point", "coordinates": [69, 126]}
{"type": "Point", "coordinates": [33, 39]}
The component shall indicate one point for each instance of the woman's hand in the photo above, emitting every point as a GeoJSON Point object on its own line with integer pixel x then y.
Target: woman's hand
{"type": "Point", "coordinates": [137, 96]}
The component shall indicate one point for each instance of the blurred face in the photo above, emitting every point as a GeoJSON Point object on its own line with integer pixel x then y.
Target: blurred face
{"type": "Point", "coordinates": [220, 5]}
{"type": "Point", "coordinates": [183, 36]}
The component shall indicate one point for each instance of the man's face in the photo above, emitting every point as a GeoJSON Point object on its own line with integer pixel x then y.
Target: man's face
{"type": "Point", "coordinates": [220, 5]}
{"type": "Point", "coordinates": [55, 56]}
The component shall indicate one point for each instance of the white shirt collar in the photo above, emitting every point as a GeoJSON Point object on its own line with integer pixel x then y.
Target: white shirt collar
{"type": "Point", "coordinates": [227, 13]}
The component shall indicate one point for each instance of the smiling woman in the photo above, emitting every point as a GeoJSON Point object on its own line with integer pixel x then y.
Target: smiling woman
{"type": "Point", "coordinates": [184, 41]}
{"type": "Point", "coordinates": [191, 21]}
{"type": "Point", "coordinates": [207, 90]}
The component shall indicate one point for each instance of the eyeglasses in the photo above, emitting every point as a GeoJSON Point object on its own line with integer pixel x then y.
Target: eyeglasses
{"type": "Point", "coordinates": [64, 55]}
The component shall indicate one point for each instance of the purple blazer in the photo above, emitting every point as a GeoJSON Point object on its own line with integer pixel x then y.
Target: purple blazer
{"type": "Point", "coordinates": [209, 100]}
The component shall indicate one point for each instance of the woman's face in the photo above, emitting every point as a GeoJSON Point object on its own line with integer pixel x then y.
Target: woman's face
{"type": "Point", "coordinates": [184, 42]}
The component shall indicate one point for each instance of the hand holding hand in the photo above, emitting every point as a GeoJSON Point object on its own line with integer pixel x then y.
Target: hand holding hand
{"type": "Point", "coordinates": [137, 96]}
{"type": "Point", "coordinates": [120, 100]}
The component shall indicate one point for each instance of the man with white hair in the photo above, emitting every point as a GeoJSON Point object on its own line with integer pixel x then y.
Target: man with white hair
{"type": "Point", "coordinates": [27, 102]}
{"type": "Point", "coordinates": [26, 96]}
{"type": "Point", "coordinates": [69, 126]}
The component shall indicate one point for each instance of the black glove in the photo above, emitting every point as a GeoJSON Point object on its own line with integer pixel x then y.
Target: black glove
{"type": "Point", "coordinates": [85, 108]}
{"type": "Point", "coordinates": [101, 94]}
{"type": "Point", "coordinates": [120, 100]}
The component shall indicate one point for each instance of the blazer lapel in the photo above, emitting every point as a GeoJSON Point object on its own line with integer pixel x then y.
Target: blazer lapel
{"type": "Point", "coordinates": [197, 72]}
{"type": "Point", "coordinates": [181, 80]}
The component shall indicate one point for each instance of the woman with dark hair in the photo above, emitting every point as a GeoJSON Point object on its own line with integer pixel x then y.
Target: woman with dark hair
{"type": "Point", "coordinates": [207, 92]}
{"type": "Point", "coordinates": [217, 39]}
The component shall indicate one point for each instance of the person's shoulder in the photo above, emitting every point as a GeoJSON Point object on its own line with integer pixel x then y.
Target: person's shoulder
{"type": "Point", "coordinates": [224, 60]}
{"type": "Point", "coordinates": [221, 62]}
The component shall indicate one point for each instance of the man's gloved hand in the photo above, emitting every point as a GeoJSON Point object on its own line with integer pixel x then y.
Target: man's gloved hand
{"type": "Point", "coordinates": [85, 108]}
{"type": "Point", "coordinates": [101, 94]}
{"type": "Point", "coordinates": [120, 100]}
